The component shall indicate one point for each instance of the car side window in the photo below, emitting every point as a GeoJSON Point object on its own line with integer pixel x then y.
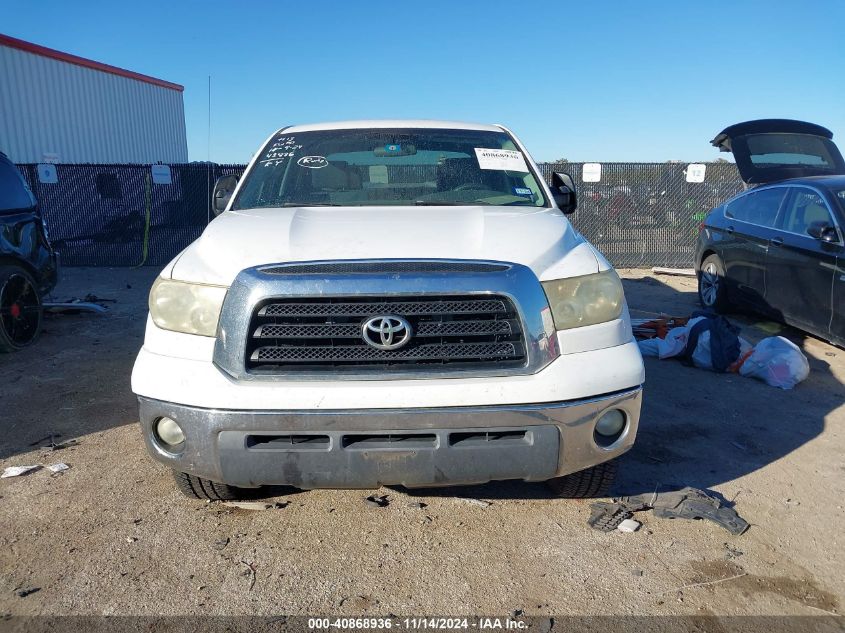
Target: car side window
{"type": "Point", "coordinates": [757, 207]}
{"type": "Point", "coordinates": [14, 194]}
{"type": "Point", "coordinates": [804, 207]}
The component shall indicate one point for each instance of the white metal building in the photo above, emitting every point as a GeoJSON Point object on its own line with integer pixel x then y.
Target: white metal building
{"type": "Point", "coordinates": [60, 108]}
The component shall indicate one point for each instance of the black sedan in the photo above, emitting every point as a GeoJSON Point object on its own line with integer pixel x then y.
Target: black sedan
{"type": "Point", "coordinates": [778, 248]}
{"type": "Point", "coordinates": [28, 264]}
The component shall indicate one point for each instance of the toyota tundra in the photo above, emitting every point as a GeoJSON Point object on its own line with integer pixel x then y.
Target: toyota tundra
{"type": "Point", "coordinates": [389, 303]}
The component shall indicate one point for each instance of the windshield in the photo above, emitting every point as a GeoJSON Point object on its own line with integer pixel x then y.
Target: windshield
{"type": "Point", "coordinates": [790, 149]}
{"type": "Point", "coordinates": [394, 167]}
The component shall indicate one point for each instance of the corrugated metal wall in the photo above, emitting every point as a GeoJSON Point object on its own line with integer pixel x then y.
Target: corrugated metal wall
{"type": "Point", "coordinates": [84, 115]}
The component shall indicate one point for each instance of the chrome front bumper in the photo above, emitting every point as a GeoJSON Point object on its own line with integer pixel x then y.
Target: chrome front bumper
{"type": "Point", "coordinates": [372, 447]}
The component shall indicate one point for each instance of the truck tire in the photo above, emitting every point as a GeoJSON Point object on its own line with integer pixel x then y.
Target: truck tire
{"type": "Point", "coordinates": [585, 484]}
{"type": "Point", "coordinates": [20, 309]}
{"type": "Point", "coordinates": [712, 293]}
{"type": "Point", "coordinates": [199, 488]}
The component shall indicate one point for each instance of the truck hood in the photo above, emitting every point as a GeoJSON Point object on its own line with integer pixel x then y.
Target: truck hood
{"type": "Point", "coordinates": [541, 239]}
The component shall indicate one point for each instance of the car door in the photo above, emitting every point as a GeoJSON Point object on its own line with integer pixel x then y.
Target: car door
{"type": "Point", "coordinates": [800, 267]}
{"type": "Point", "coordinates": [749, 222]}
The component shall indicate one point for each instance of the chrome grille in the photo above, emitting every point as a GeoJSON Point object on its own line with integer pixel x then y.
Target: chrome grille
{"type": "Point", "coordinates": [449, 332]}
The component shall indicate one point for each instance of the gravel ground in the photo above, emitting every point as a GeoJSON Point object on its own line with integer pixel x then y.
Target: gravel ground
{"type": "Point", "coordinates": [113, 536]}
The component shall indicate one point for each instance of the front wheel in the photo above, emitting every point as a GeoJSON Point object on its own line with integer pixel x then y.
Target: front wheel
{"type": "Point", "coordinates": [586, 484]}
{"type": "Point", "coordinates": [711, 284]}
{"type": "Point", "coordinates": [199, 488]}
{"type": "Point", "coordinates": [20, 309]}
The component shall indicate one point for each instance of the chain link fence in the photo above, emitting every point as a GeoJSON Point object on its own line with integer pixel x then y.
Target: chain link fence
{"type": "Point", "coordinates": [646, 214]}
{"type": "Point", "coordinates": [116, 215]}
{"type": "Point", "coordinates": [637, 214]}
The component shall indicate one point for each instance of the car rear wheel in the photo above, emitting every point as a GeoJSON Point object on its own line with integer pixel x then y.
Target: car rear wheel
{"type": "Point", "coordinates": [20, 309]}
{"type": "Point", "coordinates": [711, 284]}
{"type": "Point", "coordinates": [199, 488]}
{"type": "Point", "coordinates": [585, 484]}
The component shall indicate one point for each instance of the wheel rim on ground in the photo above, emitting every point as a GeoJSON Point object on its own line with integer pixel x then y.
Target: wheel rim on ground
{"type": "Point", "coordinates": [19, 310]}
{"type": "Point", "coordinates": [709, 284]}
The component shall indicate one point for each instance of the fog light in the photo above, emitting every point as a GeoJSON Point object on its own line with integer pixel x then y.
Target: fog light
{"type": "Point", "coordinates": [609, 427]}
{"type": "Point", "coordinates": [169, 432]}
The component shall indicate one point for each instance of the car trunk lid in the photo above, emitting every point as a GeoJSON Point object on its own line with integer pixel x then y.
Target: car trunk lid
{"type": "Point", "coordinates": [768, 150]}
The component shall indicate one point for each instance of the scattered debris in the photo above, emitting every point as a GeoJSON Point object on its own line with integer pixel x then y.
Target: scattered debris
{"type": "Point", "coordinates": [476, 502]}
{"type": "Point", "coordinates": [686, 503]}
{"type": "Point", "coordinates": [23, 593]}
{"type": "Point", "coordinates": [417, 505]}
{"type": "Point", "coordinates": [58, 468]}
{"type": "Point", "coordinates": [377, 501]}
{"type": "Point", "coordinates": [637, 572]}
{"type": "Point", "coordinates": [47, 438]}
{"type": "Point", "coordinates": [769, 327]}
{"type": "Point", "coordinates": [251, 572]}
{"type": "Point", "coordinates": [62, 445]}
{"type": "Point", "coordinates": [17, 471]}
{"type": "Point", "coordinates": [676, 272]}
{"type": "Point", "coordinates": [732, 552]}
{"type": "Point", "coordinates": [629, 526]}
{"type": "Point", "coordinates": [249, 505]}
{"type": "Point", "coordinates": [710, 341]}
{"type": "Point", "coordinates": [221, 543]}
{"type": "Point", "coordinates": [131, 539]}
{"type": "Point", "coordinates": [74, 307]}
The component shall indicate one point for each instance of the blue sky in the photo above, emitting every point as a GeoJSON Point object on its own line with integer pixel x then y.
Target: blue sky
{"type": "Point", "coordinates": [601, 80]}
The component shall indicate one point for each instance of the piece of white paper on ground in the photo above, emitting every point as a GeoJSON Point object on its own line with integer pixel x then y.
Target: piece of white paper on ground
{"type": "Point", "coordinates": [15, 471]}
{"type": "Point", "coordinates": [501, 159]}
{"type": "Point", "coordinates": [57, 468]}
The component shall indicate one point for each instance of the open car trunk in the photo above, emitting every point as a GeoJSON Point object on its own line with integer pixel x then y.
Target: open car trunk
{"type": "Point", "coordinates": [768, 150]}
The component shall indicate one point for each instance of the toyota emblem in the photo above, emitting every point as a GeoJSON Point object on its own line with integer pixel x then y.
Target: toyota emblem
{"type": "Point", "coordinates": [386, 332]}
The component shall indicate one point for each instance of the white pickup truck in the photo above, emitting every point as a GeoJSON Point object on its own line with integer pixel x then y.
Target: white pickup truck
{"type": "Point", "coordinates": [389, 303]}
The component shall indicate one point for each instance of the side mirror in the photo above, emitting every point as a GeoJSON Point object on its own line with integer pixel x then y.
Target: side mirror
{"type": "Point", "coordinates": [223, 190]}
{"type": "Point", "coordinates": [823, 231]}
{"type": "Point", "coordinates": [563, 192]}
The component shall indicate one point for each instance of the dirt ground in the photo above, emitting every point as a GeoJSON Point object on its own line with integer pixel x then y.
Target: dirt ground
{"type": "Point", "coordinates": [113, 536]}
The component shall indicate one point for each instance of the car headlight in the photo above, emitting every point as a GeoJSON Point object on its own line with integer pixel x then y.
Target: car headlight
{"type": "Point", "coordinates": [585, 300]}
{"type": "Point", "coordinates": [186, 307]}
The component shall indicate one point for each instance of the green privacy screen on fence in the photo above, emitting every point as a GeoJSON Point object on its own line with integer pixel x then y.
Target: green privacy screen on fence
{"type": "Point", "coordinates": [637, 214]}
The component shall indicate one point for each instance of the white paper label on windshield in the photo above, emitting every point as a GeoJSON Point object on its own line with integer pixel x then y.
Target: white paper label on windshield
{"type": "Point", "coordinates": [591, 172]}
{"type": "Point", "coordinates": [501, 159]}
{"type": "Point", "coordinates": [695, 172]}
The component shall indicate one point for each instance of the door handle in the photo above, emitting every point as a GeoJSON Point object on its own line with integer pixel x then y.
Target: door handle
{"type": "Point", "coordinates": [729, 230]}
{"type": "Point", "coordinates": [776, 241]}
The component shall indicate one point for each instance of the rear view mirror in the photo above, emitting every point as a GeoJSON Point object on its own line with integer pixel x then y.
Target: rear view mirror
{"type": "Point", "coordinates": [563, 192]}
{"type": "Point", "coordinates": [823, 231]}
{"type": "Point", "coordinates": [223, 190]}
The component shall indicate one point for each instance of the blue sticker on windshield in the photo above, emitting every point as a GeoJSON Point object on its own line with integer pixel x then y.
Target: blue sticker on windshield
{"type": "Point", "coordinates": [393, 149]}
{"type": "Point", "coordinates": [522, 191]}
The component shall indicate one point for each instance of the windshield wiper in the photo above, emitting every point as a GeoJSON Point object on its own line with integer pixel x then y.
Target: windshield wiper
{"type": "Point", "coordinates": [310, 204]}
{"type": "Point", "coordinates": [432, 203]}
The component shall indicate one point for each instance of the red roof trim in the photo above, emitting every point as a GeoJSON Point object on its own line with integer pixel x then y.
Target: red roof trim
{"type": "Point", "coordinates": [43, 51]}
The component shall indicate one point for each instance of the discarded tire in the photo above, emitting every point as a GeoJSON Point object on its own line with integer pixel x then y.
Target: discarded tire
{"type": "Point", "coordinates": [585, 484]}
{"type": "Point", "coordinates": [199, 488]}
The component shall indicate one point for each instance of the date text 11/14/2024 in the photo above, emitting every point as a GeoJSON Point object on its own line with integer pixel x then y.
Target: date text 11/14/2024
{"type": "Point", "coordinates": [418, 623]}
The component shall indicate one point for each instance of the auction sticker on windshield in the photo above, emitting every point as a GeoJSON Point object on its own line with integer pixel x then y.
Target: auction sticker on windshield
{"type": "Point", "coordinates": [501, 159]}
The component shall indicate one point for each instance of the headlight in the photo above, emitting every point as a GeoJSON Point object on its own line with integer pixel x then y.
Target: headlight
{"type": "Point", "coordinates": [586, 300]}
{"type": "Point", "coordinates": [184, 307]}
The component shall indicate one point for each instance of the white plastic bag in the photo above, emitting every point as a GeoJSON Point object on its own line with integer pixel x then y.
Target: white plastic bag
{"type": "Point", "coordinates": [778, 362]}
